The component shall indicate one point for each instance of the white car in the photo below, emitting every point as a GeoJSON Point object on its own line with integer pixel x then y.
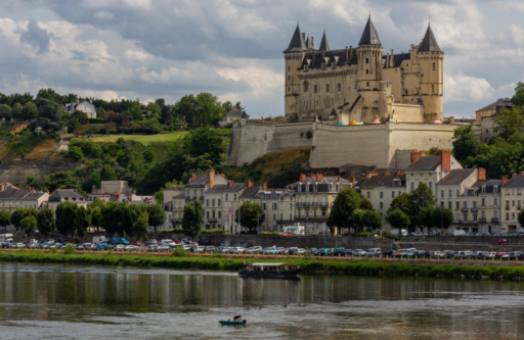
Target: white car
{"type": "Point", "coordinates": [131, 247]}
{"type": "Point", "coordinates": [120, 247]}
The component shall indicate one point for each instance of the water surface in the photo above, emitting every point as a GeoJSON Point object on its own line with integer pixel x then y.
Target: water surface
{"type": "Point", "coordinates": [75, 302]}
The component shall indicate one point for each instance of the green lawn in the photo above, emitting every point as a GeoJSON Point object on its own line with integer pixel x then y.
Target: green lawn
{"type": "Point", "coordinates": [144, 139]}
{"type": "Point", "coordinates": [168, 137]}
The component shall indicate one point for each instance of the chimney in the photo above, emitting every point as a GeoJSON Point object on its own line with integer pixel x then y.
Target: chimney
{"type": "Point", "coordinates": [248, 184]}
{"type": "Point", "coordinates": [415, 156]}
{"type": "Point", "coordinates": [445, 160]}
{"type": "Point", "coordinates": [319, 177]}
{"type": "Point", "coordinates": [481, 174]}
{"type": "Point", "coordinates": [211, 178]}
{"type": "Point", "coordinates": [302, 177]}
{"type": "Point", "coordinates": [263, 186]}
{"type": "Point", "coordinates": [353, 180]}
{"type": "Point", "coordinates": [372, 173]}
{"type": "Point", "coordinates": [504, 180]}
{"type": "Point", "coordinates": [193, 176]}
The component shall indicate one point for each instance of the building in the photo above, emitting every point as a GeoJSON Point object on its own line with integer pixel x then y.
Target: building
{"type": "Point", "coordinates": [363, 83]}
{"type": "Point", "coordinates": [236, 114]}
{"type": "Point", "coordinates": [221, 202]}
{"type": "Point", "coordinates": [429, 169]}
{"type": "Point", "coordinates": [493, 109]}
{"type": "Point", "coordinates": [486, 118]}
{"type": "Point", "coordinates": [314, 198]}
{"type": "Point", "coordinates": [82, 106]}
{"type": "Point", "coordinates": [12, 198]}
{"type": "Point", "coordinates": [65, 195]}
{"type": "Point", "coordinates": [118, 190]}
{"type": "Point", "coordinates": [199, 182]}
{"type": "Point", "coordinates": [174, 201]}
{"type": "Point", "coordinates": [511, 193]}
{"type": "Point", "coordinates": [279, 208]}
{"type": "Point", "coordinates": [382, 187]}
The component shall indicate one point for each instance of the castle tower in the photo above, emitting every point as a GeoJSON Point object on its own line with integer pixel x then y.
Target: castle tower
{"type": "Point", "coordinates": [294, 56]}
{"type": "Point", "coordinates": [324, 44]}
{"type": "Point", "coordinates": [431, 60]}
{"type": "Point", "coordinates": [369, 74]}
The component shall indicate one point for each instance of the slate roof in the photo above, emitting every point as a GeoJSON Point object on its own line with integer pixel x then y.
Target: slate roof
{"type": "Point", "coordinates": [225, 188]}
{"type": "Point", "coordinates": [65, 194]}
{"type": "Point", "coordinates": [297, 40]}
{"type": "Point", "coordinates": [384, 180]}
{"type": "Point", "coordinates": [15, 194]}
{"type": "Point", "coordinates": [342, 57]}
{"type": "Point", "coordinates": [516, 181]}
{"type": "Point", "coordinates": [369, 35]}
{"type": "Point", "coordinates": [490, 186]}
{"type": "Point", "coordinates": [425, 163]}
{"type": "Point", "coordinates": [499, 103]}
{"type": "Point", "coordinates": [456, 177]}
{"type": "Point", "coordinates": [429, 43]}
{"type": "Point", "coordinates": [324, 44]}
{"type": "Point", "coordinates": [201, 179]}
{"type": "Point", "coordinates": [250, 193]}
{"type": "Point", "coordinates": [274, 194]}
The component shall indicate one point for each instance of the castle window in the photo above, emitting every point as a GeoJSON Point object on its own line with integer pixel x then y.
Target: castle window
{"type": "Point", "coordinates": [327, 87]}
{"type": "Point", "coordinates": [433, 89]}
{"type": "Point", "coordinates": [367, 83]}
{"type": "Point", "coordinates": [306, 86]}
{"type": "Point", "coordinates": [367, 71]}
{"type": "Point", "coordinates": [434, 66]}
{"type": "Point", "coordinates": [315, 88]}
{"type": "Point", "coordinates": [367, 60]}
{"type": "Point", "coordinates": [339, 87]}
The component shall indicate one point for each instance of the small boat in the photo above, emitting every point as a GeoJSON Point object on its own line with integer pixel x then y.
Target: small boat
{"type": "Point", "coordinates": [236, 321]}
{"type": "Point", "coordinates": [242, 322]}
{"type": "Point", "coordinates": [270, 270]}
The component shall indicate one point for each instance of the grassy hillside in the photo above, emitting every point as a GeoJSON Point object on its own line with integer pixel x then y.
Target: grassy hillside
{"type": "Point", "coordinates": [170, 137]}
{"type": "Point", "coordinates": [277, 168]}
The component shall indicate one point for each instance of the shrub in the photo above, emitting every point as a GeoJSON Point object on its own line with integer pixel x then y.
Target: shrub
{"type": "Point", "coordinates": [180, 251]}
{"type": "Point", "coordinates": [69, 248]}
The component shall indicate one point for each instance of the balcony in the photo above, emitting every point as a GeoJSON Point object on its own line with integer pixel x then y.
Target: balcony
{"type": "Point", "coordinates": [495, 220]}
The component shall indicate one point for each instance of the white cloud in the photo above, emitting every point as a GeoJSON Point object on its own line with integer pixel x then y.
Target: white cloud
{"type": "Point", "coordinates": [461, 87]}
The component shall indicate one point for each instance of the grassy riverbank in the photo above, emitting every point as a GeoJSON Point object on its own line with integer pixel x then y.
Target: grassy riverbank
{"type": "Point", "coordinates": [308, 266]}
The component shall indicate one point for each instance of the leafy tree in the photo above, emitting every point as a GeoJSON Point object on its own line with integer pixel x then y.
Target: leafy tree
{"type": "Point", "coordinates": [465, 144]}
{"type": "Point", "coordinates": [5, 218]}
{"type": "Point", "coordinates": [66, 218]}
{"type": "Point", "coordinates": [29, 110]}
{"type": "Point", "coordinates": [442, 218]}
{"type": "Point", "coordinates": [518, 97]}
{"type": "Point", "coordinates": [206, 143]}
{"type": "Point", "coordinates": [82, 220]}
{"type": "Point", "coordinates": [75, 153]}
{"type": "Point", "coordinates": [45, 221]}
{"type": "Point", "coordinates": [193, 217]}
{"type": "Point", "coordinates": [95, 211]}
{"type": "Point", "coordinates": [346, 202]}
{"type": "Point", "coordinates": [398, 219]}
{"type": "Point", "coordinates": [401, 202]}
{"type": "Point", "coordinates": [5, 111]}
{"type": "Point", "coordinates": [250, 215]}
{"type": "Point", "coordinates": [365, 218]}
{"type": "Point", "coordinates": [141, 224]}
{"type": "Point", "coordinates": [157, 215]}
{"type": "Point", "coordinates": [16, 111]}
{"type": "Point", "coordinates": [419, 199]}
{"type": "Point", "coordinates": [28, 224]}
{"type": "Point", "coordinates": [18, 215]}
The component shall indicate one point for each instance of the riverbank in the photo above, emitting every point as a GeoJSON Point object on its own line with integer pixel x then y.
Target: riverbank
{"type": "Point", "coordinates": [308, 266]}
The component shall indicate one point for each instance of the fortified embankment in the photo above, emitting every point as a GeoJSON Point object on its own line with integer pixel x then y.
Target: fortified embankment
{"type": "Point", "coordinates": [381, 145]}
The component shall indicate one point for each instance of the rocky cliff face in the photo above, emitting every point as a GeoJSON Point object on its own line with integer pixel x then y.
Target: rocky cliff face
{"type": "Point", "coordinates": [17, 171]}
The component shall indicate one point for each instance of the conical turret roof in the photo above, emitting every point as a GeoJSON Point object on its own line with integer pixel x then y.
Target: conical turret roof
{"type": "Point", "coordinates": [369, 35]}
{"type": "Point", "coordinates": [324, 44]}
{"type": "Point", "coordinates": [297, 40]}
{"type": "Point", "coordinates": [429, 43]}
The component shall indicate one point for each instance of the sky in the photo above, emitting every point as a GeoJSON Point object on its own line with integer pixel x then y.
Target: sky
{"type": "Point", "coordinates": [150, 49]}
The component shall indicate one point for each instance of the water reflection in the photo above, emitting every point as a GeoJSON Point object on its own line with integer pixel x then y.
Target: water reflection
{"type": "Point", "coordinates": [152, 302]}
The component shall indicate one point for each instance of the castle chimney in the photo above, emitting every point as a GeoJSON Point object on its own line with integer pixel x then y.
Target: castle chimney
{"type": "Point", "coordinates": [504, 180]}
{"type": "Point", "coordinates": [211, 178]}
{"type": "Point", "coordinates": [445, 160]}
{"type": "Point", "coordinates": [481, 174]}
{"type": "Point", "coordinates": [415, 156]}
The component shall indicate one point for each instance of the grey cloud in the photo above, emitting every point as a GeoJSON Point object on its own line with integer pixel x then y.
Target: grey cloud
{"type": "Point", "coordinates": [36, 37]}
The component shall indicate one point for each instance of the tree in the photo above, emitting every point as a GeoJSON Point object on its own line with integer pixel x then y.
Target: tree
{"type": "Point", "coordinates": [465, 144]}
{"type": "Point", "coordinates": [419, 199]}
{"type": "Point", "coordinates": [45, 221]}
{"type": "Point", "coordinates": [518, 97]}
{"type": "Point", "coordinates": [28, 224]}
{"type": "Point", "coordinates": [401, 202]}
{"type": "Point", "coordinates": [5, 111]}
{"type": "Point", "coordinates": [29, 110]}
{"type": "Point", "coordinates": [366, 218]}
{"type": "Point", "coordinates": [157, 215]}
{"type": "Point", "coordinates": [192, 220]}
{"type": "Point", "coordinates": [206, 143]}
{"type": "Point", "coordinates": [18, 215]}
{"type": "Point", "coordinates": [398, 219]}
{"type": "Point", "coordinates": [443, 217]}
{"type": "Point", "coordinates": [82, 220]}
{"type": "Point", "coordinates": [66, 218]}
{"type": "Point", "coordinates": [346, 202]}
{"type": "Point", "coordinates": [5, 218]}
{"type": "Point", "coordinates": [141, 224]}
{"type": "Point", "coordinates": [250, 215]}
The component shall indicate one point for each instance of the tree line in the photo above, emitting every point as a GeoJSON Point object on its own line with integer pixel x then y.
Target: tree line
{"type": "Point", "coordinates": [72, 220]}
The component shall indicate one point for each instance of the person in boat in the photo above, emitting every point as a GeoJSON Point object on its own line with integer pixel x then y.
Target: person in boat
{"type": "Point", "coordinates": [237, 317]}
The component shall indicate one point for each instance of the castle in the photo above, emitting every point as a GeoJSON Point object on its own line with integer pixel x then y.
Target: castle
{"type": "Point", "coordinates": [363, 84]}
{"type": "Point", "coordinates": [353, 106]}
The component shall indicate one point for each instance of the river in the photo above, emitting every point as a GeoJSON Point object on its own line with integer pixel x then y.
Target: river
{"type": "Point", "coordinates": [91, 302]}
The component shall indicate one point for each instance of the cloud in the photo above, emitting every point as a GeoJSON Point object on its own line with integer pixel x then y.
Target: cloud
{"type": "Point", "coordinates": [461, 87]}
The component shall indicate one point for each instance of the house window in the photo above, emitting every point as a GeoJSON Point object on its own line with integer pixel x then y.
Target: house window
{"type": "Point", "coordinates": [381, 194]}
{"type": "Point", "coordinates": [315, 88]}
{"type": "Point", "coordinates": [449, 205]}
{"type": "Point", "coordinates": [483, 201]}
{"type": "Point", "coordinates": [369, 194]}
{"type": "Point", "coordinates": [339, 87]}
{"type": "Point", "coordinates": [381, 205]}
{"type": "Point", "coordinates": [327, 87]}
{"type": "Point", "coordinates": [392, 194]}
{"type": "Point", "coordinates": [441, 193]}
{"type": "Point", "coordinates": [433, 66]}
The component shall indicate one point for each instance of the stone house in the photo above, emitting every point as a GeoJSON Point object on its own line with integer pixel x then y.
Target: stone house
{"type": "Point", "coordinates": [66, 195]}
